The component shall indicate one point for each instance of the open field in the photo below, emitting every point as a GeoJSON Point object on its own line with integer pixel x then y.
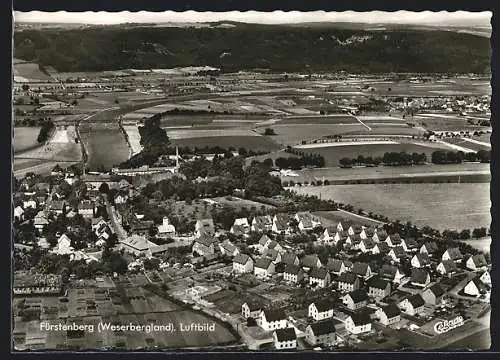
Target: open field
{"type": "Point", "coordinates": [25, 138]}
{"type": "Point", "coordinates": [467, 172]}
{"type": "Point", "coordinates": [441, 206]}
{"type": "Point", "coordinates": [263, 143]}
{"type": "Point", "coordinates": [333, 154]}
{"type": "Point", "coordinates": [295, 133]}
{"type": "Point", "coordinates": [176, 134]}
{"type": "Point", "coordinates": [105, 146]}
{"type": "Point", "coordinates": [440, 122]}
{"type": "Point", "coordinates": [28, 71]}
{"type": "Point", "coordinates": [321, 119]}
{"type": "Point", "coordinates": [472, 145]}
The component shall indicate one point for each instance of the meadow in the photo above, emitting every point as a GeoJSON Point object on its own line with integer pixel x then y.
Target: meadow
{"type": "Point", "coordinates": [25, 138]}
{"type": "Point", "coordinates": [263, 143]}
{"type": "Point", "coordinates": [296, 133]}
{"type": "Point", "coordinates": [441, 206]}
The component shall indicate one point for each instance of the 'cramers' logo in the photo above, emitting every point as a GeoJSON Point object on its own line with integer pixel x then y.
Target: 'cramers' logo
{"type": "Point", "coordinates": [446, 325]}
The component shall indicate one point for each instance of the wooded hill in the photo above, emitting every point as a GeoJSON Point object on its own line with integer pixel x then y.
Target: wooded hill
{"type": "Point", "coordinates": [278, 48]}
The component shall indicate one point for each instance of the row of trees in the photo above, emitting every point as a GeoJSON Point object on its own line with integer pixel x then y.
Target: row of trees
{"type": "Point", "coordinates": [452, 157]}
{"type": "Point", "coordinates": [297, 163]}
{"type": "Point", "coordinates": [389, 159]}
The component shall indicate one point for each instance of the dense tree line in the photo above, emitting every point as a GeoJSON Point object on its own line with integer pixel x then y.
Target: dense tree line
{"type": "Point", "coordinates": [297, 163]}
{"type": "Point", "coordinates": [45, 131]}
{"type": "Point", "coordinates": [452, 157]}
{"type": "Point", "coordinates": [389, 159]}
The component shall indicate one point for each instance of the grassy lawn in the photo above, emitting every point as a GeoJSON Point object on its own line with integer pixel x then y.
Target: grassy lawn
{"type": "Point", "coordinates": [25, 138]}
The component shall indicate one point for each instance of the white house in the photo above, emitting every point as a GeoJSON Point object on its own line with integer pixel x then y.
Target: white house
{"type": "Point", "coordinates": [420, 277]}
{"type": "Point", "coordinates": [391, 273]}
{"type": "Point", "coordinates": [420, 260]}
{"type": "Point", "coordinates": [306, 221]}
{"type": "Point", "coordinates": [63, 246]}
{"type": "Point", "coordinates": [251, 310]}
{"type": "Point", "coordinates": [355, 300]}
{"type": "Point", "coordinates": [228, 248]}
{"type": "Point", "coordinates": [453, 254]}
{"type": "Point", "coordinates": [358, 323]}
{"type": "Point", "coordinates": [285, 339]}
{"type": "Point", "coordinates": [280, 224]}
{"type": "Point", "coordinates": [242, 263]}
{"type": "Point", "coordinates": [447, 267]}
{"type": "Point", "coordinates": [388, 315]}
{"type": "Point", "coordinates": [321, 309]}
{"type": "Point", "coordinates": [475, 287]}
{"type": "Point", "coordinates": [485, 277]}
{"type": "Point", "coordinates": [262, 223]}
{"type": "Point", "coordinates": [476, 262]}
{"type": "Point", "coordinates": [166, 228]}
{"type": "Point", "coordinates": [393, 240]}
{"type": "Point", "coordinates": [293, 273]}
{"type": "Point", "coordinates": [40, 221]}
{"type": "Point", "coordinates": [263, 268]}
{"type": "Point", "coordinates": [273, 320]}
{"type": "Point", "coordinates": [204, 246]}
{"type": "Point", "coordinates": [429, 248]}
{"type": "Point", "coordinates": [320, 277]}
{"type": "Point", "coordinates": [240, 226]}
{"type": "Point", "coordinates": [348, 281]}
{"type": "Point", "coordinates": [205, 226]}
{"type": "Point", "coordinates": [413, 305]}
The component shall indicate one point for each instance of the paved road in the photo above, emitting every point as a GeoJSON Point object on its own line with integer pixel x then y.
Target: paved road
{"type": "Point", "coordinates": [115, 223]}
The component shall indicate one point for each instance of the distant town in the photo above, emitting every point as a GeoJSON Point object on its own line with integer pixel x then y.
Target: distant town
{"type": "Point", "coordinates": [250, 210]}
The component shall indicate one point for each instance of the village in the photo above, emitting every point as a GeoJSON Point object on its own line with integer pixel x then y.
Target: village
{"type": "Point", "coordinates": [282, 280]}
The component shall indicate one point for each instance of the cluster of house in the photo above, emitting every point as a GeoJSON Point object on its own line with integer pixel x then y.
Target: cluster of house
{"type": "Point", "coordinates": [366, 288]}
{"type": "Point", "coordinates": [27, 283]}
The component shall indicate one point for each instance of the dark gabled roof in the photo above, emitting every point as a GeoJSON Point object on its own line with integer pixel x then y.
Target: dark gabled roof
{"type": "Point", "coordinates": [309, 260]}
{"type": "Point", "coordinates": [479, 284]}
{"type": "Point", "coordinates": [347, 277]}
{"type": "Point", "coordinates": [419, 276]}
{"type": "Point", "coordinates": [395, 238]}
{"type": "Point", "coordinates": [264, 239]}
{"type": "Point", "coordinates": [323, 304]}
{"type": "Point", "coordinates": [281, 222]}
{"type": "Point", "coordinates": [423, 258]}
{"type": "Point", "coordinates": [381, 234]}
{"type": "Point", "coordinates": [360, 268]}
{"type": "Point", "coordinates": [274, 315]}
{"type": "Point", "coordinates": [388, 271]}
{"type": "Point", "coordinates": [287, 334]}
{"type": "Point", "coordinates": [292, 269]}
{"type": "Point", "coordinates": [431, 247]}
{"type": "Point", "coordinates": [253, 306]}
{"type": "Point", "coordinates": [262, 263]}
{"type": "Point", "coordinates": [241, 259]}
{"type": "Point", "coordinates": [378, 283]}
{"type": "Point", "coordinates": [437, 290]}
{"type": "Point", "coordinates": [368, 243]}
{"type": "Point", "coordinates": [288, 257]}
{"type": "Point", "coordinates": [323, 327]}
{"type": "Point", "coordinates": [391, 310]}
{"type": "Point", "coordinates": [271, 254]}
{"type": "Point", "coordinates": [318, 273]}
{"type": "Point", "coordinates": [334, 264]}
{"type": "Point", "coordinates": [416, 300]}
{"type": "Point", "coordinates": [358, 295]}
{"type": "Point", "coordinates": [411, 243]}
{"type": "Point", "coordinates": [398, 251]}
{"type": "Point", "coordinates": [454, 253]}
{"type": "Point", "coordinates": [205, 240]}
{"type": "Point", "coordinates": [273, 244]}
{"type": "Point", "coordinates": [383, 247]}
{"type": "Point", "coordinates": [479, 260]}
{"type": "Point", "coordinates": [360, 318]}
{"type": "Point", "coordinates": [449, 265]}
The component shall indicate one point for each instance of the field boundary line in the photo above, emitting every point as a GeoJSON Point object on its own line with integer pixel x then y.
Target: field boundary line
{"type": "Point", "coordinates": [362, 123]}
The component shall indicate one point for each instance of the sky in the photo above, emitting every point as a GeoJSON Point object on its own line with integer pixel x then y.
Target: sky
{"type": "Point", "coordinates": [479, 19]}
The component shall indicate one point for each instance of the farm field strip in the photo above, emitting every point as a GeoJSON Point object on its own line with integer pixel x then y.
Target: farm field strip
{"type": "Point", "coordinates": [188, 134]}
{"type": "Point", "coordinates": [344, 143]}
{"type": "Point", "coordinates": [477, 142]}
{"type": "Point", "coordinates": [248, 142]}
{"type": "Point", "coordinates": [456, 147]}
